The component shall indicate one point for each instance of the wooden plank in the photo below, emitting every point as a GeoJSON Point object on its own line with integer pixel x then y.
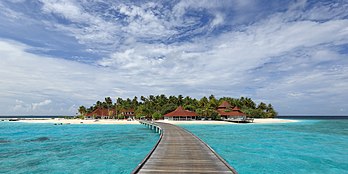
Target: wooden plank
{"type": "Point", "coordinates": [179, 151]}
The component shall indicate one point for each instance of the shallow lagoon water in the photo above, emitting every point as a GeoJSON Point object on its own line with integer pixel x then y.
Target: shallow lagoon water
{"type": "Point", "coordinates": [309, 146]}
{"type": "Point", "coordinates": [48, 148]}
{"type": "Point", "coordinates": [312, 146]}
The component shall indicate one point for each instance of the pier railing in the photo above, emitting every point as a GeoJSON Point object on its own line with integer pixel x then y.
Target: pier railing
{"type": "Point", "coordinates": [216, 154]}
{"type": "Point", "coordinates": [158, 129]}
{"type": "Point", "coordinates": [180, 151]}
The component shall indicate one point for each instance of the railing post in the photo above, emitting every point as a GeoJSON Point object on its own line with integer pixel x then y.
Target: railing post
{"type": "Point", "coordinates": [152, 126]}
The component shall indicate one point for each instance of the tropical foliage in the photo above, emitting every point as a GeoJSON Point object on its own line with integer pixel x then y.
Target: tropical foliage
{"type": "Point", "coordinates": [157, 106]}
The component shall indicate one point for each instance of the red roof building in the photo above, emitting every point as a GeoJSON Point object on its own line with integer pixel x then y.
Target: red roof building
{"type": "Point", "coordinates": [225, 111]}
{"type": "Point", "coordinates": [128, 113]}
{"type": "Point", "coordinates": [225, 105]}
{"type": "Point", "coordinates": [103, 113]}
{"type": "Point", "coordinates": [180, 114]}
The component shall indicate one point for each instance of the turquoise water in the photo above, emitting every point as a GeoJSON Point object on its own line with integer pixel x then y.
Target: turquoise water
{"type": "Point", "coordinates": [46, 148]}
{"type": "Point", "coordinates": [312, 146]}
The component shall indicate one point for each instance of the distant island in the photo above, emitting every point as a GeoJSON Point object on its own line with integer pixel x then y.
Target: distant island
{"type": "Point", "coordinates": [155, 107]}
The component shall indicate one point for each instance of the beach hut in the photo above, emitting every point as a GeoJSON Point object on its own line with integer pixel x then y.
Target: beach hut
{"type": "Point", "coordinates": [225, 105]}
{"type": "Point", "coordinates": [180, 114]}
{"type": "Point", "coordinates": [234, 114]}
{"type": "Point", "coordinates": [128, 113]}
{"type": "Point", "coordinates": [101, 113]}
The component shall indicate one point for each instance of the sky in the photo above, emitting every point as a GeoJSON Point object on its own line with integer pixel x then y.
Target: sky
{"type": "Point", "coordinates": [56, 55]}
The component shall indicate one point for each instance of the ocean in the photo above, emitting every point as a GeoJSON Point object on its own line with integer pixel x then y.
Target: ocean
{"type": "Point", "coordinates": [308, 146]}
{"type": "Point", "coordinates": [48, 148]}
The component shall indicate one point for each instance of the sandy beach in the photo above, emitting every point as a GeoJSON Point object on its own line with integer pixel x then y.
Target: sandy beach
{"type": "Point", "coordinates": [195, 122]}
{"type": "Point", "coordinates": [256, 121]}
{"type": "Point", "coordinates": [78, 121]}
{"type": "Point", "coordinates": [102, 121]}
{"type": "Point", "coordinates": [273, 120]}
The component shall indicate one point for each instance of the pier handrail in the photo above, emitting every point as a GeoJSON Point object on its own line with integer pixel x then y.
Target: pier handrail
{"type": "Point", "coordinates": [141, 164]}
{"type": "Point", "coordinates": [219, 163]}
{"type": "Point", "coordinates": [216, 154]}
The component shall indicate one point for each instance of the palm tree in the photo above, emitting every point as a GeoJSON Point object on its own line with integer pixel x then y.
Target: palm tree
{"type": "Point", "coordinates": [108, 104]}
{"type": "Point", "coordinates": [82, 110]}
{"type": "Point", "coordinates": [203, 102]}
{"type": "Point", "coordinates": [213, 103]}
{"type": "Point", "coordinates": [262, 106]}
{"type": "Point", "coordinates": [163, 99]}
{"type": "Point", "coordinates": [207, 111]}
{"type": "Point", "coordinates": [99, 104]}
{"type": "Point", "coordinates": [135, 102]}
{"type": "Point", "coordinates": [142, 98]}
{"type": "Point", "coordinates": [173, 99]}
{"type": "Point", "coordinates": [204, 107]}
{"type": "Point", "coordinates": [108, 101]}
{"type": "Point", "coordinates": [151, 98]}
{"type": "Point", "coordinates": [180, 102]}
{"type": "Point", "coordinates": [269, 108]}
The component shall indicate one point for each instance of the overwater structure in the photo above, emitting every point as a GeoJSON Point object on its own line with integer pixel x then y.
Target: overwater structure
{"type": "Point", "coordinates": [179, 151]}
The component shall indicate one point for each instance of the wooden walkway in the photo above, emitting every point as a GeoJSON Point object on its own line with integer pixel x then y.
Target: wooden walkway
{"type": "Point", "coordinates": [179, 151]}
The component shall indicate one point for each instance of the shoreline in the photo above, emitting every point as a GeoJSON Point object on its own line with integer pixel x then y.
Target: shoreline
{"type": "Point", "coordinates": [256, 121]}
{"type": "Point", "coordinates": [122, 122]}
{"type": "Point", "coordinates": [274, 120]}
{"type": "Point", "coordinates": [77, 121]}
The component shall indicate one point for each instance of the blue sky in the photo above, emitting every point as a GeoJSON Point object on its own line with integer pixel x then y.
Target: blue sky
{"type": "Point", "coordinates": [59, 54]}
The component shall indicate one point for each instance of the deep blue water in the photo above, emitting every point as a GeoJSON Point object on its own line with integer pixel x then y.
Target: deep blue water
{"type": "Point", "coordinates": [46, 148]}
{"type": "Point", "coordinates": [309, 146]}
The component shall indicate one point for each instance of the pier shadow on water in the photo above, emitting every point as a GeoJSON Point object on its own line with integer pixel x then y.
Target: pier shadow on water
{"type": "Point", "coordinates": [40, 139]}
{"type": "Point", "coordinates": [3, 141]}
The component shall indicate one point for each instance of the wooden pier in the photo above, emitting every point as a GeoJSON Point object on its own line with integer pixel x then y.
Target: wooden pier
{"type": "Point", "coordinates": [179, 151]}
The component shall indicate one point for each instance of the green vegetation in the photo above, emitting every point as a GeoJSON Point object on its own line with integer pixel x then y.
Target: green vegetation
{"type": "Point", "coordinates": [156, 106]}
{"type": "Point", "coordinates": [80, 117]}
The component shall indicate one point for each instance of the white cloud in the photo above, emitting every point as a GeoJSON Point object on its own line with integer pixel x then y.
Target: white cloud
{"type": "Point", "coordinates": [142, 21]}
{"type": "Point", "coordinates": [298, 4]}
{"type": "Point", "coordinates": [19, 105]}
{"type": "Point", "coordinates": [10, 14]}
{"type": "Point", "coordinates": [284, 58]}
{"type": "Point", "coordinates": [247, 50]}
{"type": "Point", "coordinates": [227, 68]}
{"type": "Point", "coordinates": [43, 103]}
{"type": "Point", "coordinates": [218, 20]}
{"type": "Point", "coordinates": [89, 29]}
{"type": "Point", "coordinates": [35, 78]}
{"type": "Point", "coordinates": [67, 9]}
{"type": "Point", "coordinates": [324, 11]}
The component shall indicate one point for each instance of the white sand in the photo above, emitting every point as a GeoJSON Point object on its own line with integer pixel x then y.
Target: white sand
{"type": "Point", "coordinates": [102, 121]}
{"type": "Point", "coordinates": [257, 120]}
{"type": "Point", "coordinates": [274, 120]}
{"type": "Point", "coordinates": [78, 121]}
{"type": "Point", "coordinates": [195, 122]}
